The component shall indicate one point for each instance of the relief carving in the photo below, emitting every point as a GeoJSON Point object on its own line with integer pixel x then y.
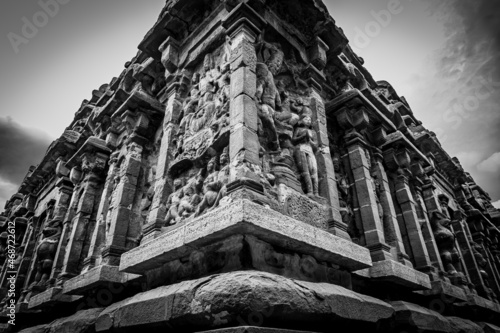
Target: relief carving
{"type": "Point", "coordinates": [445, 240]}
{"type": "Point", "coordinates": [45, 253]}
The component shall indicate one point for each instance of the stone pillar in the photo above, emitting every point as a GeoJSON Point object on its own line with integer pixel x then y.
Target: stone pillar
{"type": "Point", "coordinates": [367, 202]}
{"type": "Point", "coordinates": [390, 222]}
{"type": "Point", "coordinates": [99, 236]}
{"type": "Point", "coordinates": [431, 204]}
{"type": "Point", "coordinates": [63, 201]}
{"type": "Point", "coordinates": [470, 265]}
{"type": "Point", "coordinates": [244, 143]}
{"type": "Point", "coordinates": [411, 223]}
{"type": "Point", "coordinates": [156, 218]}
{"type": "Point", "coordinates": [327, 180]}
{"type": "Point", "coordinates": [122, 215]}
{"type": "Point", "coordinates": [82, 224]}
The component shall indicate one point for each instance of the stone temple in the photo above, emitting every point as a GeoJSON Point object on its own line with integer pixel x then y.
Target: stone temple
{"type": "Point", "coordinates": [246, 173]}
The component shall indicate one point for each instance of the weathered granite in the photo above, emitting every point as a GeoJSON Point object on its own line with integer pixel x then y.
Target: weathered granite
{"type": "Point", "coordinates": [49, 298]}
{"type": "Point", "coordinates": [245, 160]}
{"type": "Point", "coordinates": [36, 329]}
{"type": "Point", "coordinates": [391, 271]}
{"type": "Point", "coordinates": [253, 329]}
{"type": "Point", "coordinates": [420, 318]}
{"type": "Point", "coordinates": [80, 322]}
{"type": "Point", "coordinates": [460, 325]}
{"type": "Point", "coordinates": [244, 217]}
{"type": "Point", "coordinates": [98, 276]}
{"type": "Point", "coordinates": [227, 299]}
{"type": "Point", "coordinates": [489, 328]}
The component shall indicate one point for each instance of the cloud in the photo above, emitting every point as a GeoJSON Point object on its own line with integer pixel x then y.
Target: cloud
{"type": "Point", "coordinates": [20, 148]}
{"type": "Point", "coordinates": [496, 204]}
{"type": "Point", "coordinates": [491, 164]}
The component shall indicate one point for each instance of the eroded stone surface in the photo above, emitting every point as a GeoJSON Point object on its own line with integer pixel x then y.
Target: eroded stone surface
{"type": "Point", "coordinates": [243, 217]}
{"type": "Point", "coordinates": [222, 299]}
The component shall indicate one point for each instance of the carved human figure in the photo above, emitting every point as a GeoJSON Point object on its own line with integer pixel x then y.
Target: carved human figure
{"type": "Point", "coordinates": [188, 114]}
{"type": "Point", "coordinates": [357, 79]}
{"type": "Point", "coordinates": [268, 99]}
{"type": "Point", "coordinates": [305, 139]}
{"type": "Point", "coordinates": [377, 189]}
{"type": "Point", "coordinates": [207, 80]}
{"type": "Point", "coordinates": [204, 115]}
{"type": "Point", "coordinates": [211, 187]}
{"type": "Point", "coordinates": [270, 54]}
{"type": "Point", "coordinates": [192, 196]}
{"type": "Point", "coordinates": [445, 240]}
{"type": "Point", "coordinates": [173, 202]}
{"type": "Point", "coordinates": [482, 263]}
{"type": "Point", "coordinates": [45, 252]}
{"type": "Point", "coordinates": [226, 56]}
{"type": "Point", "coordinates": [223, 175]}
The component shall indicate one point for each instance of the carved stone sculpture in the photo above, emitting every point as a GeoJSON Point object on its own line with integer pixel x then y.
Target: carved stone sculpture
{"type": "Point", "coordinates": [306, 142]}
{"type": "Point", "coordinates": [173, 202]}
{"type": "Point", "coordinates": [45, 253]}
{"type": "Point", "coordinates": [445, 240]}
{"type": "Point", "coordinates": [268, 99]}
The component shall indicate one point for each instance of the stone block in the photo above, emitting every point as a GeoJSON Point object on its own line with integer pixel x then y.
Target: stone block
{"type": "Point", "coordinates": [244, 145]}
{"type": "Point", "coordinates": [447, 289]}
{"type": "Point", "coordinates": [419, 318]}
{"type": "Point", "coordinates": [247, 218]}
{"type": "Point", "coordinates": [229, 299]}
{"type": "Point", "coordinates": [95, 278]}
{"type": "Point", "coordinates": [253, 329]}
{"type": "Point", "coordinates": [80, 322]}
{"type": "Point", "coordinates": [243, 81]}
{"type": "Point", "coordinates": [460, 325]}
{"type": "Point", "coordinates": [397, 273]}
{"type": "Point", "coordinates": [49, 298]}
{"type": "Point", "coordinates": [244, 112]}
{"type": "Point", "coordinates": [36, 329]}
{"type": "Point", "coordinates": [489, 328]}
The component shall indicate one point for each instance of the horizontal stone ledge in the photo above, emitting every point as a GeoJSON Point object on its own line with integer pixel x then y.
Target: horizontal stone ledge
{"type": "Point", "coordinates": [397, 273]}
{"type": "Point", "coordinates": [452, 293]}
{"type": "Point", "coordinates": [49, 298]}
{"type": "Point", "coordinates": [100, 276]}
{"type": "Point", "coordinates": [254, 329]}
{"type": "Point", "coordinates": [420, 318]}
{"type": "Point", "coordinates": [80, 322]}
{"type": "Point", "coordinates": [231, 299]}
{"type": "Point", "coordinates": [246, 218]}
{"type": "Point", "coordinates": [478, 301]}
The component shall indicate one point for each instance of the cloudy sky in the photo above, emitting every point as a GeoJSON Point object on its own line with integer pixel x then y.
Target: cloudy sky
{"type": "Point", "coordinates": [442, 55]}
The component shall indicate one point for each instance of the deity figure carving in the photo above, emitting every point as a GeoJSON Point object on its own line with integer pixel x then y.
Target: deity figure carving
{"type": "Point", "coordinates": [173, 202]}
{"type": "Point", "coordinates": [356, 79]}
{"type": "Point", "coordinates": [214, 184]}
{"type": "Point", "coordinates": [268, 99]}
{"type": "Point", "coordinates": [211, 187]}
{"type": "Point", "coordinates": [445, 240]}
{"type": "Point", "coordinates": [226, 56]}
{"type": "Point", "coordinates": [305, 139]}
{"type": "Point", "coordinates": [45, 252]}
{"type": "Point", "coordinates": [482, 263]}
{"type": "Point", "coordinates": [192, 196]}
{"type": "Point", "coordinates": [207, 80]}
{"type": "Point", "coordinates": [270, 54]}
{"type": "Point", "coordinates": [345, 199]}
{"type": "Point", "coordinates": [377, 189]}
